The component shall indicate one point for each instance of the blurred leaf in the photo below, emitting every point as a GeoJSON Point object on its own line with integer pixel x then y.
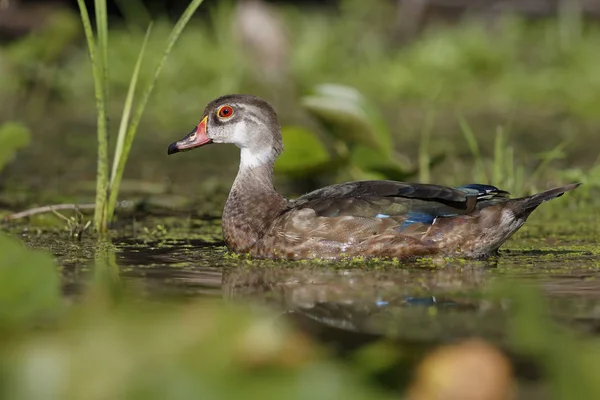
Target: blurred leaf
{"type": "Point", "coordinates": [349, 116]}
{"type": "Point", "coordinates": [304, 153]}
{"type": "Point", "coordinates": [13, 136]}
{"type": "Point", "coordinates": [48, 43]}
{"type": "Point", "coordinates": [30, 284]}
{"type": "Point", "coordinates": [135, 12]}
{"type": "Point", "coordinates": [376, 357]}
{"type": "Point", "coordinates": [369, 159]}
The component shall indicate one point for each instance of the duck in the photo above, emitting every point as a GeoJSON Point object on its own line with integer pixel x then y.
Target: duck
{"type": "Point", "coordinates": [372, 219]}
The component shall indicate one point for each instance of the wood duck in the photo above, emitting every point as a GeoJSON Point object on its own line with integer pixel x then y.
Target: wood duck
{"type": "Point", "coordinates": [384, 218]}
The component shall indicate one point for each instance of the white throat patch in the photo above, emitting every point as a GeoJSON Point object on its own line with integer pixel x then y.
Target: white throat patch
{"type": "Point", "coordinates": [240, 135]}
{"type": "Point", "coordinates": [253, 159]}
{"type": "Point", "coordinates": [249, 157]}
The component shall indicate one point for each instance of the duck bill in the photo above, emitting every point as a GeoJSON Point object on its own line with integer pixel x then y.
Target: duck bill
{"type": "Point", "coordinates": [195, 138]}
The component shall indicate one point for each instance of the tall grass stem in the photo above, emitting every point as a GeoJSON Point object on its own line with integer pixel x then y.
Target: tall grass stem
{"type": "Point", "coordinates": [98, 60]}
{"type": "Point", "coordinates": [424, 150]}
{"type": "Point", "coordinates": [499, 157]}
{"type": "Point", "coordinates": [127, 109]}
{"type": "Point", "coordinates": [474, 147]}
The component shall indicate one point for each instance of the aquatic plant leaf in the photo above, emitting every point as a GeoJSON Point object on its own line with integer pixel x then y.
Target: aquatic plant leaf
{"type": "Point", "coordinates": [29, 284]}
{"type": "Point", "coordinates": [369, 159]}
{"type": "Point", "coordinates": [349, 116]}
{"type": "Point", "coordinates": [304, 153]}
{"type": "Point", "coordinates": [13, 136]}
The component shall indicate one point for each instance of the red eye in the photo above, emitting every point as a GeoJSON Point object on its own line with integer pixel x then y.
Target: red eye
{"type": "Point", "coordinates": [225, 112]}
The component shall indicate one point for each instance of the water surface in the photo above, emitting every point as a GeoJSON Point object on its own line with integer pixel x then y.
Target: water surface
{"type": "Point", "coordinates": [424, 299]}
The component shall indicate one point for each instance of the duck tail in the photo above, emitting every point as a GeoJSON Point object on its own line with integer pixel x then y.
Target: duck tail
{"type": "Point", "coordinates": [524, 206]}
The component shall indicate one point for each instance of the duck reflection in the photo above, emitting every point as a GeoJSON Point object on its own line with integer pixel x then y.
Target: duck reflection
{"type": "Point", "coordinates": [410, 303]}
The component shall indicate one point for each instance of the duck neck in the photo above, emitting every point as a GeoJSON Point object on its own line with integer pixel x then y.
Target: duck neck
{"type": "Point", "coordinates": [253, 202]}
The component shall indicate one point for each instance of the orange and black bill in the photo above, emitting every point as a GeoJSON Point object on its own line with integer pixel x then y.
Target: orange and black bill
{"type": "Point", "coordinates": [195, 138]}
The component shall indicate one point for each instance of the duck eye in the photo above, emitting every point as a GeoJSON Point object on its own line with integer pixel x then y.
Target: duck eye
{"type": "Point", "coordinates": [225, 112]}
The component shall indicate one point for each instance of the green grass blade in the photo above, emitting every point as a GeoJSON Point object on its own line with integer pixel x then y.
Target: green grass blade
{"type": "Point", "coordinates": [131, 131]}
{"type": "Point", "coordinates": [97, 57]}
{"type": "Point", "coordinates": [555, 154]}
{"type": "Point", "coordinates": [128, 107]}
{"type": "Point", "coordinates": [513, 182]}
{"type": "Point", "coordinates": [102, 184]}
{"type": "Point", "coordinates": [499, 157]}
{"type": "Point", "coordinates": [102, 32]}
{"type": "Point", "coordinates": [424, 151]}
{"type": "Point", "coordinates": [474, 147]}
{"type": "Point", "coordinates": [87, 28]}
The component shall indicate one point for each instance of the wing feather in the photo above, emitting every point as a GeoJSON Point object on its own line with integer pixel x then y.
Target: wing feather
{"type": "Point", "coordinates": [419, 203]}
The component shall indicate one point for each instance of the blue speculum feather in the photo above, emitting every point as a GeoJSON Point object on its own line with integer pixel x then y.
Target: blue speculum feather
{"type": "Point", "coordinates": [417, 218]}
{"type": "Point", "coordinates": [416, 301]}
{"type": "Point", "coordinates": [421, 301]}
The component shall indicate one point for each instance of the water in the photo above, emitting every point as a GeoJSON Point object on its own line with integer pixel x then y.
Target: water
{"type": "Point", "coordinates": [427, 299]}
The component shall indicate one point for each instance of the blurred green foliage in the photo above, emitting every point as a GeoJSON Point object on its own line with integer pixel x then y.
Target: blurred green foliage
{"type": "Point", "coordinates": [530, 77]}
{"type": "Point", "coordinates": [46, 45]}
{"type": "Point", "coordinates": [304, 153]}
{"type": "Point", "coordinates": [566, 359]}
{"type": "Point", "coordinates": [13, 136]}
{"type": "Point", "coordinates": [31, 76]}
{"type": "Point", "coordinates": [359, 142]}
{"type": "Point", "coordinates": [349, 116]}
{"type": "Point", "coordinates": [30, 286]}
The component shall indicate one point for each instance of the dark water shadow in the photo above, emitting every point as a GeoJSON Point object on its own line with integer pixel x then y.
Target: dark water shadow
{"type": "Point", "coordinates": [170, 267]}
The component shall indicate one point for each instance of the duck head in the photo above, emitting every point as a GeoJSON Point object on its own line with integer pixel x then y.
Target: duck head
{"type": "Point", "coordinates": [247, 121]}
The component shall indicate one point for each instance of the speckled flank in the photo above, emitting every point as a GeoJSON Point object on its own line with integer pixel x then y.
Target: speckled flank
{"type": "Point", "coordinates": [301, 234]}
